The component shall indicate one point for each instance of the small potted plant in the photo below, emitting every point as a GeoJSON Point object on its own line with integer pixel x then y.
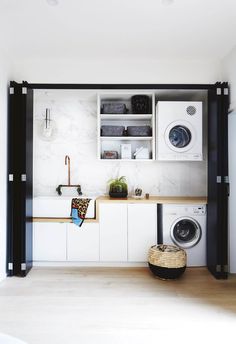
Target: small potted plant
{"type": "Point", "coordinates": [118, 187]}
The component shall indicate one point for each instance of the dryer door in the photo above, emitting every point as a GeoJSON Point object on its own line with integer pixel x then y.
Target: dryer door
{"type": "Point", "coordinates": [180, 136]}
{"type": "Point", "coordinates": [185, 232]}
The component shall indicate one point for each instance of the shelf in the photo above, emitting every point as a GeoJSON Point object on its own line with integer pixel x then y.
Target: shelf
{"type": "Point", "coordinates": [126, 117]}
{"type": "Point", "coordinates": [113, 143]}
{"type": "Point", "coordinates": [136, 160]}
{"type": "Point", "coordinates": [126, 138]}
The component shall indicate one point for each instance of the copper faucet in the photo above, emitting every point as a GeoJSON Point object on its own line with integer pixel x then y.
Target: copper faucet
{"type": "Point", "coordinates": [67, 162]}
{"type": "Point", "coordinates": [60, 186]}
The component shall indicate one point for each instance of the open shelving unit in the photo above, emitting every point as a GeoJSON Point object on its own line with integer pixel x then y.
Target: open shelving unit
{"type": "Point", "coordinates": [115, 117]}
{"type": "Point", "coordinates": [113, 143]}
{"type": "Point", "coordinates": [126, 138]}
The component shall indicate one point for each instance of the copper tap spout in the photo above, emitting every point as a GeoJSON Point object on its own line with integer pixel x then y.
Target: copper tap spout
{"type": "Point", "coordinates": [67, 162]}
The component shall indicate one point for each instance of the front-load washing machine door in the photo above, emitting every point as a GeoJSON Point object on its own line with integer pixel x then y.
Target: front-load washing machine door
{"type": "Point", "coordinates": [180, 136]}
{"type": "Point", "coordinates": [185, 232]}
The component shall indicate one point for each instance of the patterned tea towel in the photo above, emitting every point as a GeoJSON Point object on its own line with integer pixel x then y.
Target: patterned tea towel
{"type": "Point", "coordinates": [79, 208]}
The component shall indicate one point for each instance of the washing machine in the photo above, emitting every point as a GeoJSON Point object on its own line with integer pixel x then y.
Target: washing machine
{"type": "Point", "coordinates": [179, 130]}
{"type": "Point", "coordinates": [184, 226]}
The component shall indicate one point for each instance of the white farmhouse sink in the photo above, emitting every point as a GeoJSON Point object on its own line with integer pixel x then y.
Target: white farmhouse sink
{"type": "Point", "coordinates": [59, 206]}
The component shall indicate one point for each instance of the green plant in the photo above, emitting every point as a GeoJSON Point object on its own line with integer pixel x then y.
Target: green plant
{"type": "Point", "coordinates": [118, 185]}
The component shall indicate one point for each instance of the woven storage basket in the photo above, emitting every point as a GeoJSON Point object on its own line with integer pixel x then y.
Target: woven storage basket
{"type": "Point", "coordinates": [167, 261]}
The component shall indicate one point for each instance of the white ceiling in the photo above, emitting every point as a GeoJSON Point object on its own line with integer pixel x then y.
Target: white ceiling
{"type": "Point", "coordinates": [191, 29]}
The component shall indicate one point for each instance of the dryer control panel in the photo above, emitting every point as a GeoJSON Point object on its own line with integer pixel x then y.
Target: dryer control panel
{"type": "Point", "coordinates": [184, 210]}
{"type": "Point", "coordinates": [199, 210]}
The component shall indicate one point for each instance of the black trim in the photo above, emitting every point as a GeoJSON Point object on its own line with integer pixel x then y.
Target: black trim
{"type": "Point", "coordinates": [27, 186]}
{"type": "Point", "coordinates": [217, 208]}
{"type": "Point", "coordinates": [159, 223]}
{"type": "Point", "coordinates": [122, 86]}
{"type": "Point", "coordinates": [225, 191]}
{"type": "Point", "coordinates": [12, 107]}
{"type": "Point", "coordinates": [19, 198]}
{"type": "Point", "coordinates": [166, 273]}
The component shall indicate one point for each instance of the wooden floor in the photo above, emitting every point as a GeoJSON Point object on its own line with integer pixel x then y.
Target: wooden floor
{"type": "Point", "coordinates": [113, 305]}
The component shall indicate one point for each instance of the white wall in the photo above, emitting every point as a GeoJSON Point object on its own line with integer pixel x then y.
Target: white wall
{"type": "Point", "coordinates": [49, 157]}
{"type": "Point", "coordinates": [76, 117]}
{"type": "Point", "coordinates": [117, 71]}
{"type": "Point", "coordinates": [112, 71]}
{"type": "Point", "coordinates": [4, 72]}
{"type": "Point", "coordinates": [229, 74]}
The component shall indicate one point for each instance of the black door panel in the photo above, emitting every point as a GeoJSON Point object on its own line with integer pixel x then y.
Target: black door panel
{"type": "Point", "coordinates": [217, 170]}
{"type": "Point", "coordinates": [20, 166]}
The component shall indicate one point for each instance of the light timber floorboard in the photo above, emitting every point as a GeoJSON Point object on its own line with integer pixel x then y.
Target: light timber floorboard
{"type": "Point", "coordinates": [117, 305]}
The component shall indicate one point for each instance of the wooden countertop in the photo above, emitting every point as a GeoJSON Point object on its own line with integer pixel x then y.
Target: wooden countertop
{"type": "Point", "coordinates": [108, 199]}
{"type": "Point", "coordinates": [155, 199]}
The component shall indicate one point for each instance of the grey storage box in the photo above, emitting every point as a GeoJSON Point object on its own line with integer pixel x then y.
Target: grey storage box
{"type": "Point", "coordinates": [112, 130]}
{"type": "Point", "coordinates": [113, 108]}
{"type": "Point", "coordinates": [144, 130]}
{"type": "Point", "coordinates": [141, 104]}
{"type": "Point", "coordinates": [110, 155]}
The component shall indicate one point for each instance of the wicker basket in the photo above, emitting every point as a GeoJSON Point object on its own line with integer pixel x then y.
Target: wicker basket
{"type": "Point", "coordinates": [167, 261]}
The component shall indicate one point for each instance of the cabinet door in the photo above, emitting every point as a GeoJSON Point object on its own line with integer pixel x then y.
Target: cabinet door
{"type": "Point", "coordinates": [49, 241]}
{"type": "Point", "coordinates": [113, 232]}
{"type": "Point", "coordinates": [83, 242]}
{"type": "Point", "coordinates": [142, 230]}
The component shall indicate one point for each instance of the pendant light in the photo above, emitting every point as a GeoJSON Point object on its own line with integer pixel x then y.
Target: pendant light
{"type": "Point", "coordinates": [48, 127]}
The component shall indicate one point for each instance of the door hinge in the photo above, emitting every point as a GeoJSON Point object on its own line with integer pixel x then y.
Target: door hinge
{"type": "Point", "coordinates": [226, 91]}
{"type": "Point", "coordinates": [221, 268]}
{"type": "Point", "coordinates": [218, 179]}
{"type": "Point", "coordinates": [23, 266]}
{"type": "Point", "coordinates": [23, 177]}
{"type": "Point", "coordinates": [218, 91]}
{"type": "Point", "coordinates": [226, 179]}
{"type": "Point", "coordinates": [10, 177]}
{"type": "Point", "coordinates": [10, 266]}
{"type": "Point", "coordinates": [11, 91]}
{"type": "Point", "coordinates": [24, 90]}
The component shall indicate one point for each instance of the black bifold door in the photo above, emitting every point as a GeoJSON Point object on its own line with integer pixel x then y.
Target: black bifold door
{"type": "Point", "coordinates": [217, 215]}
{"type": "Point", "coordinates": [20, 166]}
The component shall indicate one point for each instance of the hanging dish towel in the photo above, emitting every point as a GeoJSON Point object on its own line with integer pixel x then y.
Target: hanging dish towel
{"type": "Point", "coordinates": [79, 208]}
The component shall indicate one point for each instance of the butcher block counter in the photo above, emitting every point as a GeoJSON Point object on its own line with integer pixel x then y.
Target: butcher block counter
{"type": "Point", "coordinates": [107, 199]}
{"type": "Point", "coordinates": [156, 199]}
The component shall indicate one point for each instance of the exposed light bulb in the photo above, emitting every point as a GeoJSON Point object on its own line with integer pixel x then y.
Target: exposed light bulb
{"type": "Point", "coordinates": [48, 128]}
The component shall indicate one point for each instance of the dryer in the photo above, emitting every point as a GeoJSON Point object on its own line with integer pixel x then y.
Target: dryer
{"type": "Point", "coordinates": [184, 226]}
{"type": "Point", "coordinates": [179, 130]}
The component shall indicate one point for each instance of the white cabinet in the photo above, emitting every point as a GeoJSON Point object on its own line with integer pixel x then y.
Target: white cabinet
{"type": "Point", "coordinates": [83, 242]}
{"type": "Point", "coordinates": [113, 232]}
{"type": "Point", "coordinates": [127, 231]}
{"type": "Point", "coordinates": [124, 234]}
{"type": "Point", "coordinates": [49, 241]}
{"type": "Point", "coordinates": [142, 230]}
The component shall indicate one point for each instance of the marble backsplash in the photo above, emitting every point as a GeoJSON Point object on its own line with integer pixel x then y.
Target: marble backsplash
{"type": "Point", "coordinates": [75, 115]}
